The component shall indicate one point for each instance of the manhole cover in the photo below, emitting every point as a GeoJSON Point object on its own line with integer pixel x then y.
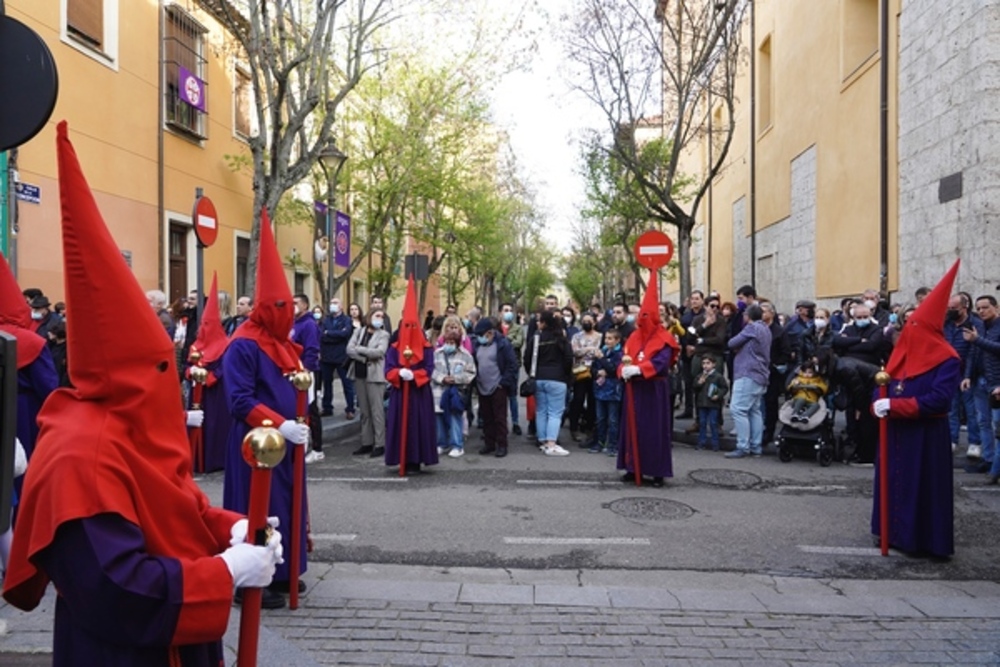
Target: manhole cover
{"type": "Point", "coordinates": [650, 508]}
{"type": "Point", "coordinates": [732, 479]}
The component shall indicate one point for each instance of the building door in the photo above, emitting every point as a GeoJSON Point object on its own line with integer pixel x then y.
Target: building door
{"type": "Point", "coordinates": [178, 262]}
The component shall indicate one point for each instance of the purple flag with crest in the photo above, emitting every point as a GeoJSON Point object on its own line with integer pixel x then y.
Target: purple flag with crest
{"type": "Point", "coordinates": [191, 89]}
{"type": "Point", "coordinates": [342, 236]}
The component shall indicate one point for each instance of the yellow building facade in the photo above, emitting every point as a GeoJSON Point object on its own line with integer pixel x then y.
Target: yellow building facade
{"type": "Point", "coordinates": [797, 208]}
{"type": "Point", "coordinates": [124, 68]}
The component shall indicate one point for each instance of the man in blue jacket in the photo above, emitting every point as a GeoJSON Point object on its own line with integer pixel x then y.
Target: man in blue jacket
{"type": "Point", "coordinates": [336, 332]}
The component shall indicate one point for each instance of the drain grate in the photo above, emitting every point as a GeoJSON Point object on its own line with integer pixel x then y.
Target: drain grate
{"type": "Point", "coordinates": [655, 509]}
{"type": "Point", "coordinates": [731, 479]}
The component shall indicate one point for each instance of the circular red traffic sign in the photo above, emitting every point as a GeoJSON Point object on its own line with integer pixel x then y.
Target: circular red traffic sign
{"type": "Point", "coordinates": [206, 221]}
{"type": "Point", "coordinates": [653, 249]}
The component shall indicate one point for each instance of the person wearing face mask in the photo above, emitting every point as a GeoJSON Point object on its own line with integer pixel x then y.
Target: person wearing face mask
{"type": "Point", "coordinates": [42, 316]}
{"type": "Point", "coordinates": [862, 349]}
{"type": "Point", "coordinates": [877, 308]}
{"type": "Point", "coordinates": [305, 333]}
{"type": "Point", "coordinates": [696, 310]}
{"type": "Point", "coordinates": [336, 329]}
{"type": "Point", "coordinates": [496, 379]}
{"type": "Point", "coordinates": [454, 370]}
{"type": "Point", "coordinates": [958, 320]}
{"type": "Point", "coordinates": [553, 374]}
{"type": "Point", "coordinates": [367, 349]}
{"type": "Point", "coordinates": [805, 310]}
{"type": "Point", "coordinates": [513, 332]}
{"type": "Point", "coordinates": [586, 346]}
{"type": "Point", "coordinates": [817, 337]}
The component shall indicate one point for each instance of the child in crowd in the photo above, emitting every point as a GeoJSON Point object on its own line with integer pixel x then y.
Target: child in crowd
{"type": "Point", "coordinates": [608, 393]}
{"type": "Point", "coordinates": [454, 370]}
{"type": "Point", "coordinates": [807, 389]}
{"type": "Point", "coordinates": [711, 388]}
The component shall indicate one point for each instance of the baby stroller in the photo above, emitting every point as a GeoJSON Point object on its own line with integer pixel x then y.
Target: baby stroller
{"type": "Point", "coordinates": [811, 438]}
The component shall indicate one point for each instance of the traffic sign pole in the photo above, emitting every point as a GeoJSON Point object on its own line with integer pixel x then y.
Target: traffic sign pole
{"type": "Point", "coordinates": [206, 228]}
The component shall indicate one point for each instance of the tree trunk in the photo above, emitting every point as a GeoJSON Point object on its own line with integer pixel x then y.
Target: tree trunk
{"type": "Point", "coordinates": [684, 257]}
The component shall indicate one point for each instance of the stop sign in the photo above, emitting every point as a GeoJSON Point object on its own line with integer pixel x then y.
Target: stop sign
{"type": "Point", "coordinates": [206, 221]}
{"type": "Point", "coordinates": [654, 249]}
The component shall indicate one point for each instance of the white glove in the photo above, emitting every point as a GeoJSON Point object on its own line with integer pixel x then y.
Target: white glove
{"type": "Point", "coordinates": [294, 432]}
{"type": "Point", "coordinates": [250, 566]}
{"type": "Point", "coordinates": [20, 459]}
{"type": "Point", "coordinates": [881, 408]}
{"type": "Point", "coordinates": [238, 533]}
{"type": "Point", "coordinates": [630, 371]}
{"type": "Point", "coordinates": [195, 418]}
{"type": "Point", "coordinates": [405, 374]}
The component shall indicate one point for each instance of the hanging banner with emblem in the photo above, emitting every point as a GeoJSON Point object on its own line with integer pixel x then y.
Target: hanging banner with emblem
{"type": "Point", "coordinates": [342, 240]}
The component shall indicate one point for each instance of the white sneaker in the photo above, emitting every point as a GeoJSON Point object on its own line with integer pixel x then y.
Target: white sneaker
{"type": "Point", "coordinates": [555, 450]}
{"type": "Point", "coordinates": [442, 451]}
{"type": "Point", "coordinates": [974, 452]}
{"type": "Point", "coordinates": [314, 456]}
{"type": "Point", "coordinates": [954, 446]}
{"type": "Point", "coordinates": [456, 452]}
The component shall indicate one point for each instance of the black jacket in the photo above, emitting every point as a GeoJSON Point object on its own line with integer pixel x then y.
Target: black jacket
{"type": "Point", "coordinates": [555, 356]}
{"type": "Point", "coordinates": [862, 343]}
{"type": "Point", "coordinates": [335, 333]}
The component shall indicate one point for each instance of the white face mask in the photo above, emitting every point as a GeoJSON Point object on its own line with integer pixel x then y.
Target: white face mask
{"type": "Point", "coordinates": [36, 315]}
{"type": "Point", "coordinates": [568, 320]}
{"type": "Point", "coordinates": [334, 308]}
{"type": "Point", "coordinates": [820, 323]}
{"type": "Point", "coordinates": [871, 304]}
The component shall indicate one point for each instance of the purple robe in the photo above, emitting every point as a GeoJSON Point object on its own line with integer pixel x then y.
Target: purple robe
{"type": "Point", "coordinates": [653, 421]}
{"type": "Point", "coordinates": [34, 384]}
{"type": "Point", "coordinates": [921, 498]}
{"type": "Point", "coordinates": [421, 430]}
{"type": "Point", "coordinates": [117, 606]}
{"type": "Point", "coordinates": [251, 378]}
{"type": "Point", "coordinates": [215, 429]}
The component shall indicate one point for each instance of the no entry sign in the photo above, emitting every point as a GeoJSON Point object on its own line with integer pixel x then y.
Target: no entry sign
{"type": "Point", "coordinates": [206, 221]}
{"type": "Point", "coordinates": [654, 249]}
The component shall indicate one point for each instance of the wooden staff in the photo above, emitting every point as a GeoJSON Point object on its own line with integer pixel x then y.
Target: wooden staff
{"type": "Point", "coordinates": [302, 381]}
{"type": "Point", "coordinates": [263, 448]}
{"type": "Point", "coordinates": [195, 434]}
{"type": "Point", "coordinates": [882, 379]}
{"type": "Point", "coordinates": [407, 355]}
{"type": "Point", "coordinates": [633, 432]}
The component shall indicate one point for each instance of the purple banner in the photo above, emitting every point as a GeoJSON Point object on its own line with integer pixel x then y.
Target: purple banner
{"type": "Point", "coordinates": [342, 244]}
{"type": "Point", "coordinates": [192, 89]}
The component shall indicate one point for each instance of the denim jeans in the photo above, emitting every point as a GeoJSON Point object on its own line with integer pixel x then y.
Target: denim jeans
{"type": "Point", "coordinates": [967, 399]}
{"type": "Point", "coordinates": [745, 405]}
{"type": "Point", "coordinates": [608, 415]}
{"type": "Point", "coordinates": [708, 427]}
{"type": "Point", "coordinates": [514, 417]}
{"type": "Point", "coordinates": [995, 470]}
{"type": "Point", "coordinates": [987, 419]}
{"type": "Point", "coordinates": [449, 430]}
{"type": "Point", "coordinates": [550, 398]}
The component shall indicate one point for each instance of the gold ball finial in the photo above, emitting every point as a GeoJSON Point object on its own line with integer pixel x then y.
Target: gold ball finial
{"type": "Point", "coordinates": [264, 446]}
{"type": "Point", "coordinates": [882, 378]}
{"type": "Point", "coordinates": [407, 353]}
{"type": "Point", "coordinates": [626, 360]}
{"type": "Point", "coordinates": [302, 380]}
{"type": "Point", "coordinates": [199, 374]}
{"type": "Point", "coordinates": [194, 355]}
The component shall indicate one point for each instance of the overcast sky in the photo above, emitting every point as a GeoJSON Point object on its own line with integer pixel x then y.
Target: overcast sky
{"type": "Point", "coordinates": [545, 120]}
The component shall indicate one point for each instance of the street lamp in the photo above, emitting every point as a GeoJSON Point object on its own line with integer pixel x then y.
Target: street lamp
{"type": "Point", "coordinates": [332, 160]}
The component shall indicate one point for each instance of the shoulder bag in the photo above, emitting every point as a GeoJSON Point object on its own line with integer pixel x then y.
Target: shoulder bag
{"type": "Point", "coordinates": [528, 386]}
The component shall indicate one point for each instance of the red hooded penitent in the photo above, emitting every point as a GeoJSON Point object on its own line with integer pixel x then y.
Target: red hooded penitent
{"type": "Point", "coordinates": [115, 443]}
{"type": "Point", "coordinates": [15, 317]}
{"type": "Point", "coordinates": [922, 345]}
{"type": "Point", "coordinates": [649, 336]}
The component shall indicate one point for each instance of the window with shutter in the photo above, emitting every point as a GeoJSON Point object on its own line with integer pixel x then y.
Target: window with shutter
{"type": "Point", "coordinates": [85, 20]}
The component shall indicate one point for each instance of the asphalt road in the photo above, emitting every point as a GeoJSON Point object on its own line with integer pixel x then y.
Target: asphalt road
{"type": "Point", "coordinates": [532, 511]}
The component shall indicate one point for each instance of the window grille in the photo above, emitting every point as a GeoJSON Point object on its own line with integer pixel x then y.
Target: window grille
{"type": "Point", "coordinates": [183, 52]}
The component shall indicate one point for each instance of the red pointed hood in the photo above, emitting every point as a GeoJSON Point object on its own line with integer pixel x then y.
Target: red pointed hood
{"type": "Point", "coordinates": [273, 314]}
{"type": "Point", "coordinates": [15, 317]}
{"type": "Point", "coordinates": [116, 443]}
{"type": "Point", "coordinates": [922, 345]}
{"type": "Point", "coordinates": [409, 334]}
{"type": "Point", "coordinates": [212, 340]}
{"type": "Point", "coordinates": [649, 336]}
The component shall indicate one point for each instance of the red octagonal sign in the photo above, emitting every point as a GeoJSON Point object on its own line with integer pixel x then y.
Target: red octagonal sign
{"type": "Point", "coordinates": [206, 221]}
{"type": "Point", "coordinates": [654, 249]}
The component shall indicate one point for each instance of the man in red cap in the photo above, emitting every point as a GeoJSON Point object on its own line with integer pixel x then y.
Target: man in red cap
{"type": "Point", "coordinates": [409, 361]}
{"type": "Point", "coordinates": [258, 366]}
{"type": "Point", "coordinates": [925, 372]}
{"type": "Point", "coordinates": [650, 350]}
{"type": "Point", "coordinates": [111, 514]}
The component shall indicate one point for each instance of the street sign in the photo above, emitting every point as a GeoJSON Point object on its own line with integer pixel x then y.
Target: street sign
{"type": "Point", "coordinates": [26, 192]}
{"type": "Point", "coordinates": [654, 249]}
{"type": "Point", "coordinates": [206, 221]}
